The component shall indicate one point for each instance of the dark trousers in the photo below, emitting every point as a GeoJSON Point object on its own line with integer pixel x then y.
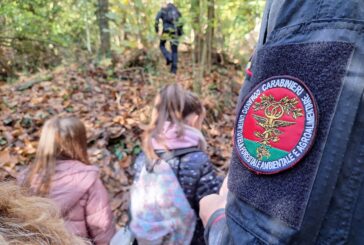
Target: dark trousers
{"type": "Point", "coordinates": [171, 57]}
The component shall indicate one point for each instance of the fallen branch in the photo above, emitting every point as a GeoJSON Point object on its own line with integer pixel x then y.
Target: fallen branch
{"type": "Point", "coordinates": [31, 83]}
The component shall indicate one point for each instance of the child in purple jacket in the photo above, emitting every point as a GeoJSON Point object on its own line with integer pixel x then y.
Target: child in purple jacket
{"type": "Point", "coordinates": [62, 172]}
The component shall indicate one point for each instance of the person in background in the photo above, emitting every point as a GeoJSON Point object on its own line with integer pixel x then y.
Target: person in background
{"type": "Point", "coordinates": [26, 219]}
{"type": "Point", "coordinates": [175, 127]}
{"type": "Point", "coordinates": [172, 30]}
{"type": "Point", "coordinates": [62, 172]}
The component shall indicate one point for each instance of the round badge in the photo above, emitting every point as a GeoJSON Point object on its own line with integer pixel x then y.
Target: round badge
{"type": "Point", "coordinates": [276, 125]}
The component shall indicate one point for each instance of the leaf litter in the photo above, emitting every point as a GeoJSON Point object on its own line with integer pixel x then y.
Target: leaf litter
{"type": "Point", "coordinates": [115, 112]}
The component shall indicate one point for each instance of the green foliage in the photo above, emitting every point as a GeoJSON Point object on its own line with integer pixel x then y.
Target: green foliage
{"type": "Point", "coordinates": [120, 149]}
{"type": "Point", "coordinates": [41, 32]}
{"type": "Point", "coordinates": [54, 22]}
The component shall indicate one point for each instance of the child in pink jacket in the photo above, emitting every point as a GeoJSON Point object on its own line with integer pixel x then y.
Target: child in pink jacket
{"type": "Point", "coordinates": [62, 172]}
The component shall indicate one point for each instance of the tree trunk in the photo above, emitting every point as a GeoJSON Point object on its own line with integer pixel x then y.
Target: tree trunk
{"type": "Point", "coordinates": [210, 33]}
{"type": "Point", "coordinates": [87, 32]}
{"type": "Point", "coordinates": [5, 68]}
{"type": "Point", "coordinates": [196, 26]}
{"type": "Point", "coordinates": [123, 23]}
{"type": "Point", "coordinates": [2, 24]}
{"type": "Point", "coordinates": [201, 70]}
{"type": "Point", "coordinates": [103, 9]}
{"type": "Point", "coordinates": [140, 21]}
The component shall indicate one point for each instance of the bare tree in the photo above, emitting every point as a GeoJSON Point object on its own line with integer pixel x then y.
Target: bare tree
{"type": "Point", "coordinates": [210, 33]}
{"type": "Point", "coordinates": [103, 9]}
{"type": "Point", "coordinates": [197, 29]}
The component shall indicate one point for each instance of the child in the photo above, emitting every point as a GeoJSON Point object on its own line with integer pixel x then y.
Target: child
{"type": "Point", "coordinates": [31, 220]}
{"type": "Point", "coordinates": [62, 172]}
{"type": "Point", "coordinates": [175, 126]}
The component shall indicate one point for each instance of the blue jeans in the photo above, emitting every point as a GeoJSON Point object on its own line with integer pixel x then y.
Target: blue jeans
{"type": "Point", "coordinates": [320, 200]}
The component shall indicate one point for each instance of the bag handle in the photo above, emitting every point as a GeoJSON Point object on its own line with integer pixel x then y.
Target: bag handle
{"type": "Point", "coordinates": [166, 156]}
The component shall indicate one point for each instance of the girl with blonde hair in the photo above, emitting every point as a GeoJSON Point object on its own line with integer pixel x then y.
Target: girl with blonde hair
{"type": "Point", "coordinates": [174, 134]}
{"type": "Point", "coordinates": [62, 172]}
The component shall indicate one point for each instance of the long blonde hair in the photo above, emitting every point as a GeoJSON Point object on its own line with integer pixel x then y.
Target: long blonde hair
{"type": "Point", "coordinates": [62, 138]}
{"type": "Point", "coordinates": [31, 220]}
{"type": "Point", "coordinates": [173, 104]}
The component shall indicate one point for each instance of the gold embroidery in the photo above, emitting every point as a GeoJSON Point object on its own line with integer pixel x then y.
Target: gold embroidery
{"type": "Point", "coordinates": [273, 111]}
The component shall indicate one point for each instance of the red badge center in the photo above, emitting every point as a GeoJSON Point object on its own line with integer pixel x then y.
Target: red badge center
{"type": "Point", "coordinates": [276, 125]}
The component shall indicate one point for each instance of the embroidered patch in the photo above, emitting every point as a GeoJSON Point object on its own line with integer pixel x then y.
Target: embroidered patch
{"type": "Point", "coordinates": [276, 125]}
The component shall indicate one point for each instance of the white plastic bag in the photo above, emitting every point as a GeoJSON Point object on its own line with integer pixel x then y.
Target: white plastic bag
{"type": "Point", "coordinates": [123, 237]}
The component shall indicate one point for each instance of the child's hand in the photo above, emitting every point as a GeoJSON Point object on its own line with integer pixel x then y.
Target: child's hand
{"type": "Point", "coordinates": [211, 203]}
{"type": "Point", "coordinates": [224, 188]}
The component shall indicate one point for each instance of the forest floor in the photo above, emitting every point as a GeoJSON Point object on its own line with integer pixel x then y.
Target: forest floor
{"type": "Point", "coordinates": [114, 102]}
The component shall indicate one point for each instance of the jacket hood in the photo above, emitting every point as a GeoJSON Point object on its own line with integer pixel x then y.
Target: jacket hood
{"type": "Point", "coordinates": [169, 138]}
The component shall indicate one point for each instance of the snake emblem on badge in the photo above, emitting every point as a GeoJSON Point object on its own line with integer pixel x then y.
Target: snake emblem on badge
{"type": "Point", "coordinates": [276, 125]}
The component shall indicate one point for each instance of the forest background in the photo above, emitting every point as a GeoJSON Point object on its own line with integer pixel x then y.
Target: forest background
{"type": "Point", "coordinates": [99, 60]}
